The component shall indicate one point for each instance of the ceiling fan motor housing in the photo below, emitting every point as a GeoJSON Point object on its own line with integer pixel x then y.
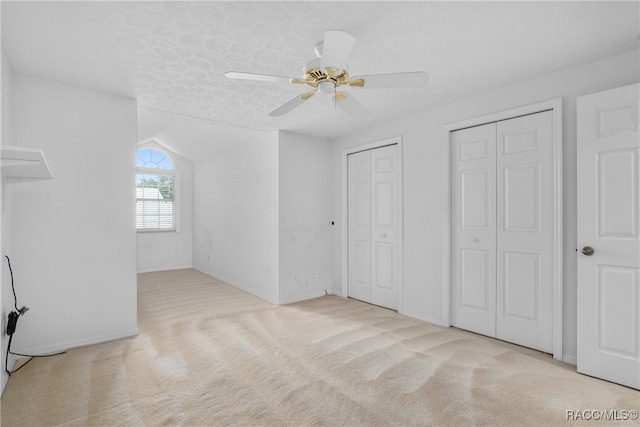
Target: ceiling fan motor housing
{"type": "Point", "coordinates": [314, 75]}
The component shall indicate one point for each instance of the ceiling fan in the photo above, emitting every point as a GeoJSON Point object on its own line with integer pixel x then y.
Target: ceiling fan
{"type": "Point", "coordinates": [328, 72]}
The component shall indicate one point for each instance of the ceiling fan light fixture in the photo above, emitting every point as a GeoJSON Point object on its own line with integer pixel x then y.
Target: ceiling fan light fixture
{"type": "Point", "coordinates": [327, 87]}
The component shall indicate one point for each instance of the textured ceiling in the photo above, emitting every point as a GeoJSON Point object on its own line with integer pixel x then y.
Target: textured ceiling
{"type": "Point", "coordinates": [171, 56]}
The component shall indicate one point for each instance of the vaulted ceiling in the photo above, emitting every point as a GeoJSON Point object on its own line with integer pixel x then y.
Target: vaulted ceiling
{"type": "Point", "coordinates": [172, 56]}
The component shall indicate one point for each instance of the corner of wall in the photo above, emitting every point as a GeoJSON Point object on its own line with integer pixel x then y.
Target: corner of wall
{"type": "Point", "coordinates": [304, 184]}
{"type": "Point", "coordinates": [235, 216]}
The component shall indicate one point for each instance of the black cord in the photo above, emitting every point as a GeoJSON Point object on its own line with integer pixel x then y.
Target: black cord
{"type": "Point", "coordinates": [15, 303]}
{"type": "Point", "coordinates": [15, 298]}
{"type": "Point", "coordinates": [6, 359]}
{"type": "Point", "coordinates": [31, 356]}
{"type": "Point", "coordinates": [38, 355]}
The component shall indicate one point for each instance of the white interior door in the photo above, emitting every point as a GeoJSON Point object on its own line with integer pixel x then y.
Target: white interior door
{"type": "Point", "coordinates": [384, 220]}
{"type": "Point", "coordinates": [473, 229]}
{"type": "Point", "coordinates": [359, 228]}
{"type": "Point", "coordinates": [373, 226]}
{"type": "Point", "coordinates": [525, 221]}
{"type": "Point", "coordinates": [502, 225]}
{"type": "Point", "coordinates": [609, 236]}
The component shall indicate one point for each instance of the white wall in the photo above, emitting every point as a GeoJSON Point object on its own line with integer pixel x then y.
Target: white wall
{"type": "Point", "coordinates": [262, 216]}
{"type": "Point", "coordinates": [305, 217]}
{"type": "Point", "coordinates": [6, 296]}
{"type": "Point", "coordinates": [169, 250]}
{"type": "Point", "coordinates": [235, 216]}
{"type": "Point", "coordinates": [422, 162]}
{"type": "Point", "coordinates": [73, 238]}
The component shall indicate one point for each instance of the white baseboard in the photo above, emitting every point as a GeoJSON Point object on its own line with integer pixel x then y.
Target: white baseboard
{"type": "Point", "coordinates": [338, 293]}
{"type": "Point", "coordinates": [63, 346]}
{"type": "Point", "coordinates": [303, 297]}
{"type": "Point", "coordinates": [163, 268]}
{"type": "Point", "coordinates": [267, 298]}
{"type": "Point", "coordinates": [421, 317]}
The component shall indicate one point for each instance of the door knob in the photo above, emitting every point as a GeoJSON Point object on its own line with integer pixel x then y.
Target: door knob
{"type": "Point", "coordinates": [588, 250]}
{"type": "Point", "coordinates": [474, 239]}
{"type": "Point", "coordinates": [384, 235]}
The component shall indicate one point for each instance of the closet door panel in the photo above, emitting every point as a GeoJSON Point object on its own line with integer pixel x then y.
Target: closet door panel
{"type": "Point", "coordinates": [524, 158]}
{"type": "Point", "coordinates": [473, 239]}
{"type": "Point", "coordinates": [384, 234]}
{"type": "Point", "coordinates": [359, 232]}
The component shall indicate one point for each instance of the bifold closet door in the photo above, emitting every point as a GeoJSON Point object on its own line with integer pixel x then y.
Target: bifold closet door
{"type": "Point", "coordinates": [473, 229]}
{"type": "Point", "coordinates": [502, 230]}
{"type": "Point", "coordinates": [525, 221]}
{"type": "Point", "coordinates": [359, 232]}
{"type": "Point", "coordinates": [373, 212]}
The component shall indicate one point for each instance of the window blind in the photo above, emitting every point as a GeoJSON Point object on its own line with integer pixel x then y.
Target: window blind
{"type": "Point", "coordinates": [155, 202]}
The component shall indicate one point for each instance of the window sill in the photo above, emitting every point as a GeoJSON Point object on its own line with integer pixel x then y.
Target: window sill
{"type": "Point", "coordinates": [173, 230]}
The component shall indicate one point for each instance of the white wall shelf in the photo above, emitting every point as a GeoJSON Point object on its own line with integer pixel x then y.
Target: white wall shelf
{"type": "Point", "coordinates": [22, 164]}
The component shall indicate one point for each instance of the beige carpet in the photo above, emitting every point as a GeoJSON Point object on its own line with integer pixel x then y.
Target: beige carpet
{"type": "Point", "coordinates": [209, 354]}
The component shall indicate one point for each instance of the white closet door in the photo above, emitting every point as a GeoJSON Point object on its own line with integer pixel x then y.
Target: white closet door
{"type": "Point", "coordinates": [384, 233]}
{"type": "Point", "coordinates": [359, 227]}
{"type": "Point", "coordinates": [373, 226]}
{"type": "Point", "coordinates": [502, 230]}
{"type": "Point", "coordinates": [609, 236]}
{"type": "Point", "coordinates": [473, 239]}
{"type": "Point", "coordinates": [524, 229]}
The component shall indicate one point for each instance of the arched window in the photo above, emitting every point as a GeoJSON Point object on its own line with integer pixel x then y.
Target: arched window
{"type": "Point", "coordinates": [155, 191]}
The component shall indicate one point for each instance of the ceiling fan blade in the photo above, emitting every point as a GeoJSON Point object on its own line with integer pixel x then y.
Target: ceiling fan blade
{"type": "Point", "coordinates": [336, 49]}
{"type": "Point", "coordinates": [285, 108]}
{"type": "Point", "coordinates": [262, 77]}
{"type": "Point", "coordinates": [395, 80]}
{"type": "Point", "coordinates": [351, 106]}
